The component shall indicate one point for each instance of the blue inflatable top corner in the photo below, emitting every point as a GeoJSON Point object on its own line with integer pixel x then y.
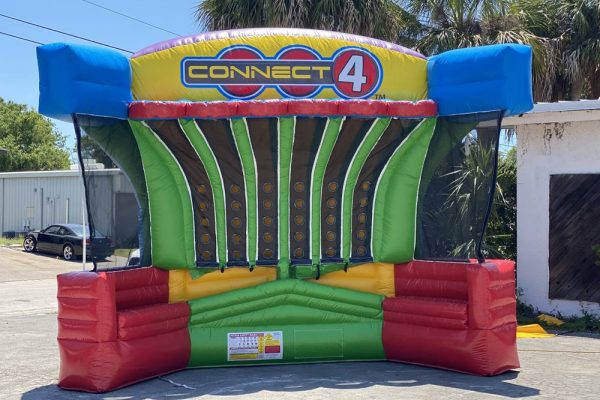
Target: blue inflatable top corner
{"type": "Point", "coordinates": [481, 79]}
{"type": "Point", "coordinates": [83, 79]}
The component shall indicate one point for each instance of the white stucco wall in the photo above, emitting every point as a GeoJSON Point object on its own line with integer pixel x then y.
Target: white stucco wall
{"type": "Point", "coordinates": [569, 146]}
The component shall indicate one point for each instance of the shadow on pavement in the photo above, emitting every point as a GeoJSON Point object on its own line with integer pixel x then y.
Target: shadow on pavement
{"type": "Point", "coordinates": [359, 377]}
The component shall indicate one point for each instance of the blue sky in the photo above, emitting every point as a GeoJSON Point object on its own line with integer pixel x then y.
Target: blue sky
{"type": "Point", "coordinates": [18, 65]}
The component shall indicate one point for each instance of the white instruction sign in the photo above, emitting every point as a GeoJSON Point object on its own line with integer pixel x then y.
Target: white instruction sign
{"type": "Point", "coordinates": [246, 346]}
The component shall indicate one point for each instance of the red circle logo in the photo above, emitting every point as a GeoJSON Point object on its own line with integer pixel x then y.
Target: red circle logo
{"type": "Point", "coordinates": [241, 91]}
{"type": "Point", "coordinates": [298, 54]}
{"type": "Point", "coordinates": [355, 73]}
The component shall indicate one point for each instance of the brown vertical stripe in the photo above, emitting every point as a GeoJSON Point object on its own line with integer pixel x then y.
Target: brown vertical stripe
{"type": "Point", "coordinates": [171, 134]}
{"type": "Point", "coordinates": [351, 134]}
{"type": "Point", "coordinates": [263, 138]}
{"type": "Point", "coordinates": [307, 139]}
{"type": "Point", "coordinates": [220, 139]}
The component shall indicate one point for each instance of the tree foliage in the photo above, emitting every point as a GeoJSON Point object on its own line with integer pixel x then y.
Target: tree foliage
{"type": "Point", "coordinates": [571, 30]}
{"type": "Point", "coordinates": [382, 19]}
{"type": "Point", "coordinates": [91, 150]}
{"type": "Point", "coordinates": [32, 141]}
{"type": "Point", "coordinates": [501, 234]}
{"type": "Point", "coordinates": [452, 24]}
{"type": "Point", "coordinates": [564, 34]}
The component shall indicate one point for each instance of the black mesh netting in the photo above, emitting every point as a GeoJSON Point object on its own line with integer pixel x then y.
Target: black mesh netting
{"type": "Point", "coordinates": [457, 187]}
{"type": "Point", "coordinates": [454, 203]}
{"type": "Point", "coordinates": [116, 199]}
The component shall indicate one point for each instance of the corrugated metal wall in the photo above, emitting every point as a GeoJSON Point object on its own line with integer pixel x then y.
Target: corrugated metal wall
{"type": "Point", "coordinates": [35, 200]}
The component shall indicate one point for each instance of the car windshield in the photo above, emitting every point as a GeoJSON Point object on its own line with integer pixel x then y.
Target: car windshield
{"type": "Point", "coordinates": [78, 230]}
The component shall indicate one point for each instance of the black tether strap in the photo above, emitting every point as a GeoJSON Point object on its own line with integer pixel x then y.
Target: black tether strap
{"type": "Point", "coordinates": [490, 205]}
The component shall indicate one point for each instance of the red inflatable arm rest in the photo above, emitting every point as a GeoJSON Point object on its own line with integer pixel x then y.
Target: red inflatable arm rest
{"type": "Point", "coordinates": [116, 328]}
{"type": "Point", "coordinates": [87, 309]}
{"type": "Point", "coordinates": [492, 297]}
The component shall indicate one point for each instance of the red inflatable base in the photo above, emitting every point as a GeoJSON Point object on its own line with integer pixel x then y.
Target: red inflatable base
{"type": "Point", "coordinates": [104, 366]}
{"type": "Point", "coordinates": [485, 352]}
{"type": "Point", "coordinates": [456, 316]}
{"type": "Point", "coordinates": [117, 328]}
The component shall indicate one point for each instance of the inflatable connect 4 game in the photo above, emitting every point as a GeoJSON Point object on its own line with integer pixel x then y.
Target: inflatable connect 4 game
{"type": "Point", "coordinates": [303, 196]}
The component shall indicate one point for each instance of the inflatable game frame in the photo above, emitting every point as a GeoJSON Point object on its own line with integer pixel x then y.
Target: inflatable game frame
{"type": "Point", "coordinates": [281, 176]}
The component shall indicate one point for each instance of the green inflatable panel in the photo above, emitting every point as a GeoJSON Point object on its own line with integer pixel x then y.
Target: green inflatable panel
{"type": "Point", "coordinates": [286, 143]}
{"type": "Point", "coordinates": [332, 131]}
{"type": "Point", "coordinates": [394, 219]}
{"type": "Point", "coordinates": [285, 321]}
{"type": "Point", "coordinates": [358, 161]}
{"type": "Point", "coordinates": [170, 202]}
{"type": "Point", "coordinates": [242, 142]}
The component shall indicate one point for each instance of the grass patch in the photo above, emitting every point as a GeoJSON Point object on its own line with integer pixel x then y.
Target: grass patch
{"type": "Point", "coordinates": [587, 323]}
{"type": "Point", "coordinates": [4, 241]}
{"type": "Point", "coordinates": [526, 315]}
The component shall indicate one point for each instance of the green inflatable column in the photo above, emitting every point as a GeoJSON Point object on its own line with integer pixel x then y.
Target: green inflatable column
{"type": "Point", "coordinates": [286, 143]}
{"type": "Point", "coordinates": [395, 205]}
{"type": "Point", "coordinates": [171, 213]}
{"type": "Point", "coordinates": [244, 147]}
{"type": "Point", "coordinates": [332, 131]}
{"type": "Point", "coordinates": [358, 161]}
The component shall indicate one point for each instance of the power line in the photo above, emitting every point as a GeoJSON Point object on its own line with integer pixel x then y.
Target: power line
{"type": "Point", "coordinates": [130, 17]}
{"type": "Point", "coordinates": [22, 38]}
{"type": "Point", "coordinates": [65, 33]}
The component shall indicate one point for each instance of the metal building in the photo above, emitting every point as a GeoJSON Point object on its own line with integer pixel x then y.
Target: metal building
{"type": "Point", "coordinates": [36, 199]}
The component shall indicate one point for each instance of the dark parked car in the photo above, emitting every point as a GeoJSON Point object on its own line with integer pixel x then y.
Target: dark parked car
{"type": "Point", "coordinates": [67, 240]}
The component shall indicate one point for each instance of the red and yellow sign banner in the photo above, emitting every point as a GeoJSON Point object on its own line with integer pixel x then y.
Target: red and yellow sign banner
{"type": "Point", "coordinates": [291, 64]}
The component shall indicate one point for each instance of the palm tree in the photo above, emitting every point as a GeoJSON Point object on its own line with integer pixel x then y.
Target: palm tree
{"type": "Point", "coordinates": [451, 24]}
{"type": "Point", "coordinates": [582, 47]}
{"type": "Point", "coordinates": [564, 34]}
{"type": "Point", "coordinates": [383, 19]}
{"type": "Point", "coordinates": [572, 30]}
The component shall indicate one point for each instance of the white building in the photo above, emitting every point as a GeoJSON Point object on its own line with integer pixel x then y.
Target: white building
{"type": "Point", "coordinates": [34, 200]}
{"type": "Point", "coordinates": [558, 206]}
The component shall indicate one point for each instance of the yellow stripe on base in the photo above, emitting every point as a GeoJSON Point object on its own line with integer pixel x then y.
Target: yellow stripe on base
{"type": "Point", "coordinates": [375, 278]}
{"type": "Point", "coordinates": [183, 288]}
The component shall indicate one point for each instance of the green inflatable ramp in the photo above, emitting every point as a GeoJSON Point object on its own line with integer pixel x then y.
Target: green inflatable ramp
{"type": "Point", "coordinates": [286, 321]}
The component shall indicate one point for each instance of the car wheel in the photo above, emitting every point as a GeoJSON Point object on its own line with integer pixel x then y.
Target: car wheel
{"type": "Point", "coordinates": [68, 253]}
{"type": "Point", "coordinates": [29, 244]}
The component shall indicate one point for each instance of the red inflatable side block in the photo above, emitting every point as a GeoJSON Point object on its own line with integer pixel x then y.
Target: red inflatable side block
{"type": "Point", "coordinates": [433, 279]}
{"type": "Point", "coordinates": [152, 320]}
{"type": "Point", "coordinates": [86, 307]}
{"type": "Point", "coordinates": [484, 352]}
{"type": "Point", "coordinates": [435, 307]}
{"type": "Point", "coordinates": [116, 328]}
{"type": "Point", "coordinates": [458, 316]}
{"type": "Point", "coordinates": [492, 294]}
{"type": "Point", "coordinates": [100, 367]}
{"type": "Point", "coordinates": [140, 286]}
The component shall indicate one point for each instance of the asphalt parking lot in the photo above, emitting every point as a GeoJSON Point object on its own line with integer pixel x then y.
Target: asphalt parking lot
{"type": "Point", "coordinates": [563, 367]}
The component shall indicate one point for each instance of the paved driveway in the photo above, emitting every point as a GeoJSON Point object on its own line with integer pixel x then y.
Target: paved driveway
{"type": "Point", "coordinates": [564, 367]}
